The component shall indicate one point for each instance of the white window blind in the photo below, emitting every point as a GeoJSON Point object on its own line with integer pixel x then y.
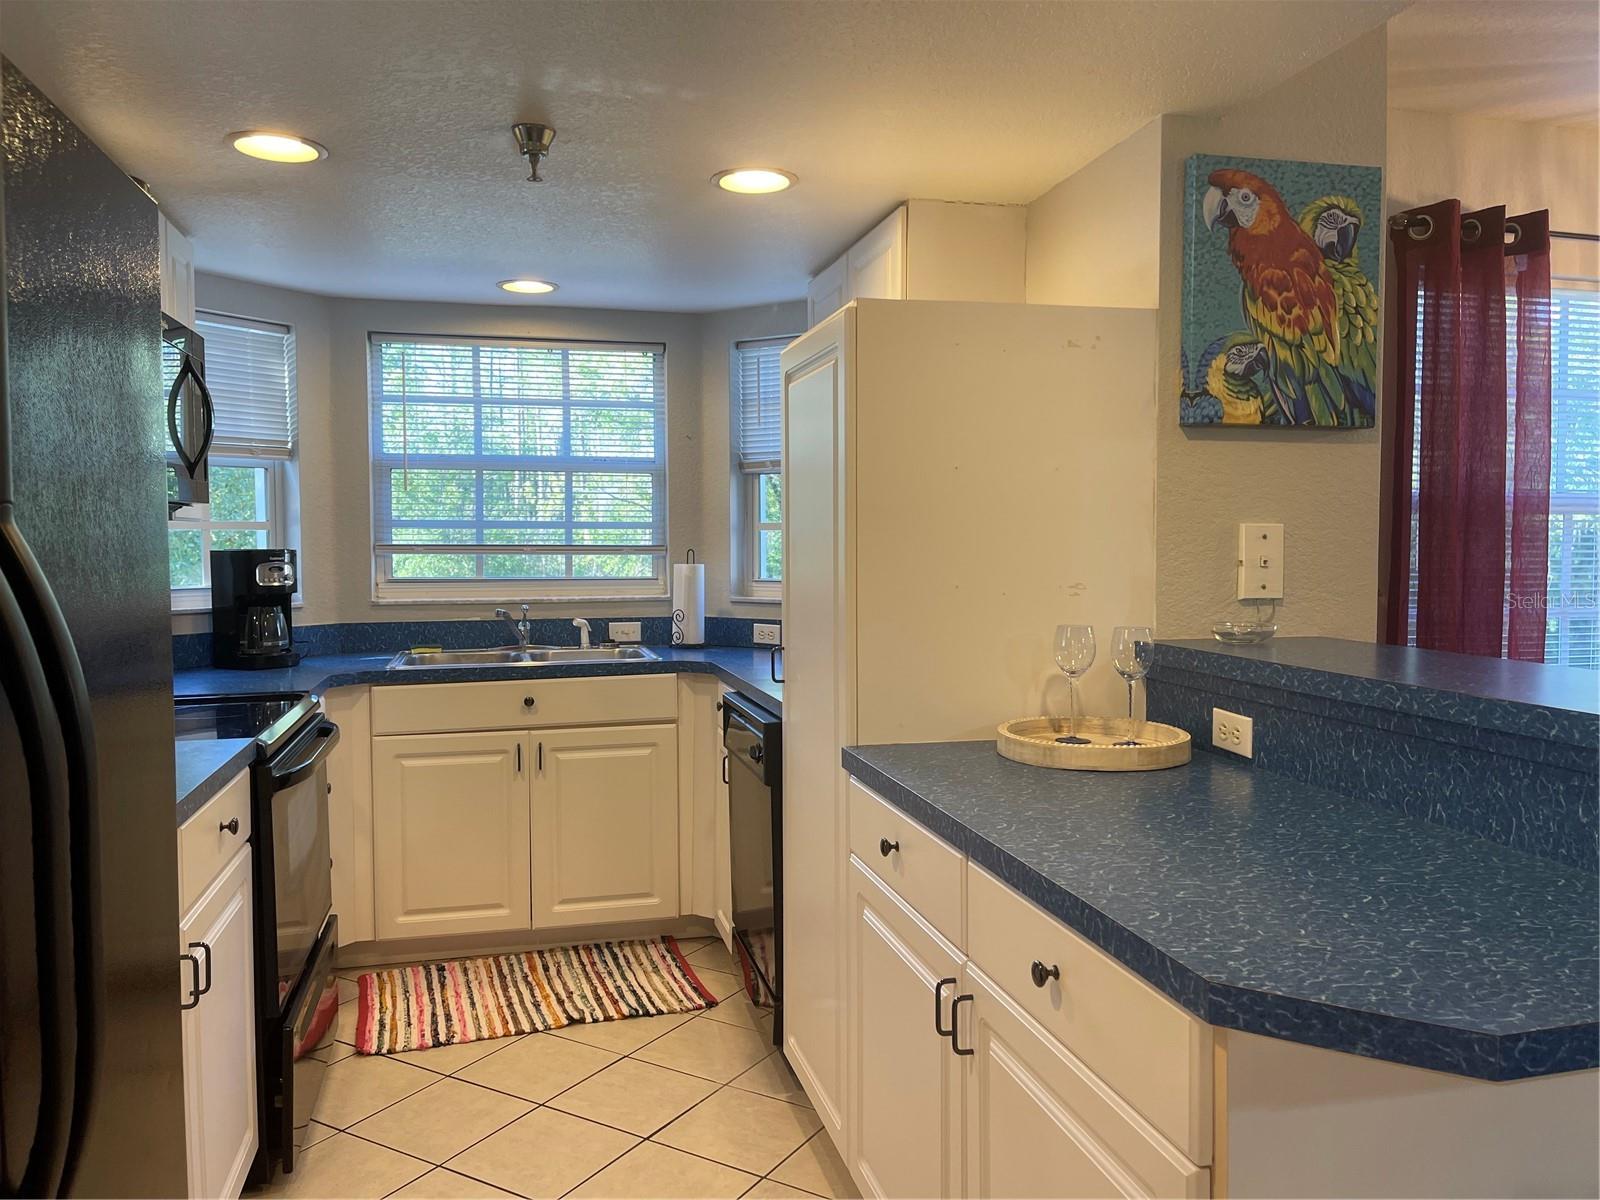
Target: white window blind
{"type": "Point", "coordinates": [758, 388]}
{"type": "Point", "coordinates": [518, 460]}
{"type": "Point", "coordinates": [250, 371]}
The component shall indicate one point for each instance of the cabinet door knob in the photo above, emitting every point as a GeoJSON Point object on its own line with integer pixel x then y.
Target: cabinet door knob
{"type": "Point", "coordinates": [194, 984]}
{"type": "Point", "coordinates": [955, 1008]}
{"type": "Point", "coordinates": [231, 825]}
{"type": "Point", "coordinates": [1043, 974]}
{"type": "Point", "coordinates": [527, 702]}
{"type": "Point", "coordinates": [886, 847]}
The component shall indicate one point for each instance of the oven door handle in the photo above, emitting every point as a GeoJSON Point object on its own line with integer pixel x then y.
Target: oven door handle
{"type": "Point", "coordinates": [300, 767]}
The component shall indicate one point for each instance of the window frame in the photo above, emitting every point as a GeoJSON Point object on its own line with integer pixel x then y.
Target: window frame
{"type": "Point", "coordinates": [747, 524]}
{"type": "Point", "coordinates": [198, 599]}
{"type": "Point", "coordinates": [388, 588]}
{"type": "Point", "coordinates": [278, 468]}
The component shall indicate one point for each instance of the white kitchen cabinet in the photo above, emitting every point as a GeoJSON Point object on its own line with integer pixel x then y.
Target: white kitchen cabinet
{"type": "Point", "coordinates": [722, 853]}
{"type": "Point", "coordinates": [1040, 1123]}
{"type": "Point", "coordinates": [450, 833]}
{"type": "Point", "coordinates": [217, 988]}
{"type": "Point", "coordinates": [177, 271]}
{"type": "Point", "coordinates": [605, 825]}
{"type": "Point", "coordinates": [905, 1134]}
{"type": "Point", "coordinates": [929, 250]}
{"type": "Point", "coordinates": [876, 265]}
{"type": "Point", "coordinates": [829, 291]}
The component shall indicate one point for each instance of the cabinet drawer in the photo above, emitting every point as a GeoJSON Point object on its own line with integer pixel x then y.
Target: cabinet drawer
{"type": "Point", "coordinates": [205, 846]}
{"type": "Point", "coordinates": [1151, 1052]}
{"type": "Point", "coordinates": [923, 871]}
{"type": "Point", "coordinates": [455, 707]}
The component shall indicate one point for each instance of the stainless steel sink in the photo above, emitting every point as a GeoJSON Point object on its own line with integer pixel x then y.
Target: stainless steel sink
{"type": "Point", "coordinates": [534, 656]}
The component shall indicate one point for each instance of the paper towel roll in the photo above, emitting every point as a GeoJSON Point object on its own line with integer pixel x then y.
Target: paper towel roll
{"type": "Point", "coordinates": [688, 604]}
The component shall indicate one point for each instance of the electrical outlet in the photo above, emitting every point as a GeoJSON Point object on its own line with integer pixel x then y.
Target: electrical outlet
{"type": "Point", "coordinates": [1233, 733]}
{"type": "Point", "coordinates": [623, 631]}
{"type": "Point", "coordinates": [768, 635]}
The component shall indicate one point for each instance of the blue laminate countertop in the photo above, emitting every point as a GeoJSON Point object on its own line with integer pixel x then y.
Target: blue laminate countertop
{"type": "Point", "coordinates": [1534, 699]}
{"type": "Point", "coordinates": [1272, 906]}
{"type": "Point", "coordinates": [205, 767]}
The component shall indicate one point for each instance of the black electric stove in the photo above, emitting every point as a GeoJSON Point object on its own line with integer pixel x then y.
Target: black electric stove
{"type": "Point", "coordinates": [269, 718]}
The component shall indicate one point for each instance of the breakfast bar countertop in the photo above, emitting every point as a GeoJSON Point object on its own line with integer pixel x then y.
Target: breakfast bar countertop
{"type": "Point", "coordinates": [1267, 905]}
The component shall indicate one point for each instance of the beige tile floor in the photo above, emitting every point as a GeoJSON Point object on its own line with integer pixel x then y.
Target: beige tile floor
{"type": "Point", "coordinates": [677, 1106]}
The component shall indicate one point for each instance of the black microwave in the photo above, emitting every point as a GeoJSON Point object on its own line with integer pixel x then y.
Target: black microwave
{"type": "Point", "coordinates": [191, 419]}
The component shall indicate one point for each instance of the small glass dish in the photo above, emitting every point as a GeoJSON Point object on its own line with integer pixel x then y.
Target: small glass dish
{"type": "Point", "coordinates": [1242, 633]}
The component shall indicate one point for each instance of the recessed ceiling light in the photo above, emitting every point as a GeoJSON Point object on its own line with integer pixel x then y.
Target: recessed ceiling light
{"type": "Point", "coordinates": [277, 147]}
{"type": "Point", "coordinates": [527, 287]}
{"type": "Point", "coordinates": [753, 181]}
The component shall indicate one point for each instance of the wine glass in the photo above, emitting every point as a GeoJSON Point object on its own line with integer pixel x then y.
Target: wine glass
{"type": "Point", "coordinates": [1133, 649]}
{"type": "Point", "coordinates": [1074, 655]}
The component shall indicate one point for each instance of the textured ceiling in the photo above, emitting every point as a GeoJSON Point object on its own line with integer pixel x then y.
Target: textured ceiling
{"type": "Point", "coordinates": [1520, 60]}
{"type": "Point", "coordinates": [424, 197]}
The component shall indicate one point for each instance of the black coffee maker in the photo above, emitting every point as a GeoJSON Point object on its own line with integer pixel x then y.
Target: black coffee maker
{"type": "Point", "coordinates": [251, 626]}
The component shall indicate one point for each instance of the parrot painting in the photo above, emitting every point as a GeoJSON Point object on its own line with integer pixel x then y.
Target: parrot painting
{"type": "Point", "coordinates": [1334, 223]}
{"type": "Point", "coordinates": [1236, 377]}
{"type": "Point", "coordinates": [1289, 300]}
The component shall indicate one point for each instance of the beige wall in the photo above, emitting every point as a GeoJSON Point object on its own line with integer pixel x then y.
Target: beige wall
{"type": "Point", "coordinates": [1322, 485]}
{"type": "Point", "coordinates": [1524, 165]}
{"type": "Point", "coordinates": [334, 487]}
{"type": "Point", "coordinates": [1095, 238]}
{"type": "Point", "coordinates": [1112, 234]}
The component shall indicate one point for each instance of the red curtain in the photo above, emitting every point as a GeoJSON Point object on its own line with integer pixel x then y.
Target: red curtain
{"type": "Point", "coordinates": [1528, 279]}
{"type": "Point", "coordinates": [1448, 288]}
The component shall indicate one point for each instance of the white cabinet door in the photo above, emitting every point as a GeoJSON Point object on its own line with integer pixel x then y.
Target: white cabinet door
{"type": "Point", "coordinates": [219, 1031]}
{"type": "Point", "coordinates": [819, 707]}
{"type": "Point", "coordinates": [450, 833]}
{"type": "Point", "coordinates": [177, 272]}
{"type": "Point", "coordinates": [605, 825]}
{"type": "Point", "coordinates": [1040, 1123]}
{"type": "Point", "coordinates": [877, 263]}
{"type": "Point", "coordinates": [905, 1078]}
{"type": "Point", "coordinates": [722, 874]}
{"type": "Point", "coordinates": [828, 291]}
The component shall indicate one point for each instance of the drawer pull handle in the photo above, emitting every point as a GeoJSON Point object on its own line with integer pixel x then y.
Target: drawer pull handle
{"type": "Point", "coordinates": [886, 847]}
{"type": "Point", "coordinates": [938, 1008]}
{"type": "Point", "coordinates": [1043, 974]}
{"type": "Point", "coordinates": [527, 702]}
{"type": "Point", "coordinates": [955, 1007]}
{"type": "Point", "coordinates": [231, 825]}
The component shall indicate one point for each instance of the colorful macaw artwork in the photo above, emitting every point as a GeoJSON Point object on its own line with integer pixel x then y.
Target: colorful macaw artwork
{"type": "Point", "coordinates": [1280, 317]}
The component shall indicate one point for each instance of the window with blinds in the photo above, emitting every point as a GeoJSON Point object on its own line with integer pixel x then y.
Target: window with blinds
{"type": "Point", "coordinates": [250, 371]}
{"type": "Point", "coordinates": [498, 462]}
{"type": "Point", "coordinates": [1572, 597]}
{"type": "Point", "coordinates": [758, 429]}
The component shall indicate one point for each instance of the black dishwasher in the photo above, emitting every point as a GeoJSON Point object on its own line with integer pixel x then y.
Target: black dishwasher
{"type": "Point", "coordinates": [753, 769]}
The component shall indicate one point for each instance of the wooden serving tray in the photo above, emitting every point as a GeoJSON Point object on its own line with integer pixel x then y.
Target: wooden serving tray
{"type": "Point", "coordinates": [1032, 740]}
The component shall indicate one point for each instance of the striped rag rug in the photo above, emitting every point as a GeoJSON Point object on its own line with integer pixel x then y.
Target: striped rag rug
{"type": "Point", "coordinates": [469, 999]}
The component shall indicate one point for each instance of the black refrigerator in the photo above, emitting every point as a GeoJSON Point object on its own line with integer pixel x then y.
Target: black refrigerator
{"type": "Point", "coordinates": [91, 1073]}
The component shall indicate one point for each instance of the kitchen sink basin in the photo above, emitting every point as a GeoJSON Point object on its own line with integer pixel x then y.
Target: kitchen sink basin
{"type": "Point", "coordinates": [534, 656]}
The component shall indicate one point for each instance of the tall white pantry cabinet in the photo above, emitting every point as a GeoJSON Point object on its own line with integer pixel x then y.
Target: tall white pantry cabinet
{"type": "Point", "coordinates": [959, 479]}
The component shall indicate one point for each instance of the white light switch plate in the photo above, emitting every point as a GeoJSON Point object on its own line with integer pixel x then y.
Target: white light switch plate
{"type": "Point", "coordinates": [1261, 562]}
{"type": "Point", "coordinates": [768, 635]}
{"type": "Point", "coordinates": [623, 631]}
{"type": "Point", "coordinates": [1233, 733]}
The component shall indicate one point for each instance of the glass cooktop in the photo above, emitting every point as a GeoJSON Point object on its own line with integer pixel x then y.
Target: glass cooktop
{"type": "Point", "coordinates": [214, 718]}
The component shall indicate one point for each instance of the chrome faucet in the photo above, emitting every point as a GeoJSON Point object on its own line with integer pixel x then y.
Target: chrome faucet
{"type": "Point", "coordinates": [522, 627]}
{"type": "Point", "coordinates": [583, 631]}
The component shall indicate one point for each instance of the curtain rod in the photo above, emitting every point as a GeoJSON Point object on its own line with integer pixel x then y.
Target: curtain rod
{"type": "Point", "coordinates": [1423, 222]}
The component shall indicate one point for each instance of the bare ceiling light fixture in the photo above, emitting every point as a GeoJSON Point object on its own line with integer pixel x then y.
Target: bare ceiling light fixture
{"type": "Point", "coordinates": [533, 143]}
